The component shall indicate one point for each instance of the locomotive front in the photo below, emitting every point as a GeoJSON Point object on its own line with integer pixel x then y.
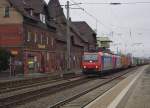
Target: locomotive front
{"type": "Point", "coordinates": [90, 63]}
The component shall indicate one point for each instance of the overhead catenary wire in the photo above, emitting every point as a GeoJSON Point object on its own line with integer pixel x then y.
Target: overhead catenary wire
{"type": "Point", "coordinates": [129, 31]}
{"type": "Point", "coordinates": [92, 16]}
{"type": "Point", "coordinates": [97, 20]}
{"type": "Point", "coordinates": [113, 3]}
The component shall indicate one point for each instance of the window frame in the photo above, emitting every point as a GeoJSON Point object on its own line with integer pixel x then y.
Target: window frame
{"type": "Point", "coordinates": [43, 18]}
{"type": "Point", "coordinates": [47, 40]}
{"type": "Point", "coordinates": [31, 12]}
{"type": "Point", "coordinates": [35, 37]}
{"type": "Point", "coordinates": [41, 38]}
{"type": "Point", "coordinates": [6, 11]}
{"type": "Point", "coordinates": [52, 42]}
{"type": "Point", "coordinates": [28, 36]}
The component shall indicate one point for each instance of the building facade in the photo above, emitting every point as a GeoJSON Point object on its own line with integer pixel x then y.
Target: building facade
{"type": "Point", "coordinates": [35, 34]}
{"type": "Point", "coordinates": [77, 47]}
{"type": "Point", "coordinates": [88, 34]}
{"type": "Point", "coordinates": [24, 31]}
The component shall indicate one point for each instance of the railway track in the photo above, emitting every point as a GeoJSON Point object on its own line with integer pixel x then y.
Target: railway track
{"type": "Point", "coordinates": [118, 75]}
{"type": "Point", "coordinates": [18, 85]}
{"type": "Point", "coordinates": [17, 99]}
{"type": "Point", "coordinates": [10, 89]}
{"type": "Point", "coordinates": [11, 85]}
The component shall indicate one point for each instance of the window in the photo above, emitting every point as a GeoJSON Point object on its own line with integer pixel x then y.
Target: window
{"type": "Point", "coordinates": [35, 37]}
{"type": "Point", "coordinates": [6, 12]}
{"type": "Point", "coordinates": [48, 57]}
{"type": "Point", "coordinates": [88, 57]}
{"type": "Point", "coordinates": [31, 12]}
{"type": "Point", "coordinates": [24, 2]}
{"type": "Point", "coordinates": [52, 43]}
{"type": "Point", "coordinates": [47, 40]}
{"type": "Point", "coordinates": [41, 38]}
{"type": "Point", "coordinates": [42, 18]}
{"type": "Point", "coordinates": [29, 36]}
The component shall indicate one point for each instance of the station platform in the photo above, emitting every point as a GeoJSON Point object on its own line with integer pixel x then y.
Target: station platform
{"type": "Point", "coordinates": [132, 92]}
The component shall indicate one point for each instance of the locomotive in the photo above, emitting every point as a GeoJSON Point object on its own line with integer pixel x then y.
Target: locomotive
{"type": "Point", "coordinates": [99, 62]}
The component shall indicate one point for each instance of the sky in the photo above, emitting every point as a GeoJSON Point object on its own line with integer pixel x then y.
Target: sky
{"type": "Point", "coordinates": [127, 25]}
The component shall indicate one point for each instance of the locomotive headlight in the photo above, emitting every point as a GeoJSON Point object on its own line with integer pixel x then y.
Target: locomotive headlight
{"type": "Point", "coordinates": [84, 67]}
{"type": "Point", "coordinates": [96, 67]}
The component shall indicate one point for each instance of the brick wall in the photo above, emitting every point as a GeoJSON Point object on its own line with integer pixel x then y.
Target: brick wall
{"type": "Point", "coordinates": [39, 31]}
{"type": "Point", "coordinates": [10, 35]}
{"type": "Point", "coordinates": [14, 18]}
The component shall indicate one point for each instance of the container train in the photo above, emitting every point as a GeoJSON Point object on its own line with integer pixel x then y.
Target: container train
{"type": "Point", "coordinates": [99, 62]}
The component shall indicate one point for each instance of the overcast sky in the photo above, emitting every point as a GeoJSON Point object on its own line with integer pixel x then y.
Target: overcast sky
{"type": "Point", "coordinates": [130, 23]}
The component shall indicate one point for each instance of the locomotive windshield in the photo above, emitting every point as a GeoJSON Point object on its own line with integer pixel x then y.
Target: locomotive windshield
{"type": "Point", "coordinates": [88, 57]}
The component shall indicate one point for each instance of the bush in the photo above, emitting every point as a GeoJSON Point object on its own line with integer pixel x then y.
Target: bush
{"type": "Point", "coordinates": [4, 59]}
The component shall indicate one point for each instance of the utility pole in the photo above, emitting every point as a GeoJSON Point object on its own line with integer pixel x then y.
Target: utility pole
{"type": "Point", "coordinates": [68, 34]}
{"type": "Point", "coordinates": [68, 37]}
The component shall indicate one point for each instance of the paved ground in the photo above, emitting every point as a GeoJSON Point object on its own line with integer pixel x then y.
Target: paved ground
{"type": "Point", "coordinates": [132, 92]}
{"type": "Point", "coordinates": [89, 97]}
{"type": "Point", "coordinates": [140, 97]}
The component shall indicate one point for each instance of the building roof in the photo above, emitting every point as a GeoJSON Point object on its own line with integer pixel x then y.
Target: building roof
{"type": "Point", "coordinates": [85, 30]}
{"type": "Point", "coordinates": [55, 17]}
{"type": "Point", "coordinates": [37, 6]}
{"type": "Point", "coordinates": [56, 13]}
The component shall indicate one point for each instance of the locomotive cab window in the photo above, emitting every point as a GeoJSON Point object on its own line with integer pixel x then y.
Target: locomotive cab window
{"type": "Point", "coordinates": [6, 11]}
{"type": "Point", "coordinates": [90, 57]}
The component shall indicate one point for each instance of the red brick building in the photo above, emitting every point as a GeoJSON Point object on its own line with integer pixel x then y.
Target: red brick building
{"type": "Point", "coordinates": [35, 33]}
{"type": "Point", "coordinates": [25, 31]}
{"type": "Point", "coordinates": [88, 34]}
{"type": "Point", "coordinates": [77, 42]}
